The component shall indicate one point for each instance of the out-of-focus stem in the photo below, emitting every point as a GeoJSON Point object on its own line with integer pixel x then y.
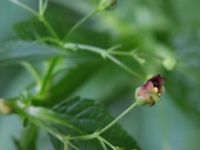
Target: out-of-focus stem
{"type": "Point", "coordinates": [80, 22]}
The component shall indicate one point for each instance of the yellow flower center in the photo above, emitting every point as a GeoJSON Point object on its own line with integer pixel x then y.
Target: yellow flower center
{"type": "Point", "coordinates": [155, 90]}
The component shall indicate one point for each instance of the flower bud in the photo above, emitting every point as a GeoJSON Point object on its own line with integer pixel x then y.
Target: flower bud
{"type": "Point", "coordinates": [107, 4]}
{"type": "Point", "coordinates": [5, 108]}
{"type": "Point", "coordinates": [151, 91]}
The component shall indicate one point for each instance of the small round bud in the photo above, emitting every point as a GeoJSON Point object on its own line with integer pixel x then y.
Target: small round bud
{"type": "Point", "coordinates": [107, 4]}
{"type": "Point", "coordinates": [5, 108]}
{"type": "Point", "coordinates": [151, 91]}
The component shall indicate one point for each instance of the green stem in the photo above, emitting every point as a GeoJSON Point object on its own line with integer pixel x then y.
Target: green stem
{"type": "Point", "coordinates": [80, 22]}
{"type": "Point", "coordinates": [52, 40]}
{"type": "Point", "coordinates": [24, 7]}
{"type": "Point", "coordinates": [47, 78]}
{"type": "Point", "coordinates": [48, 26]}
{"type": "Point", "coordinates": [25, 111]}
{"type": "Point", "coordinates": [120, 53]}
{"type": "Point", "coordinates": [65, 146]}
{"type": "Point", "coordinates": [34, 72]}
{"type": "Point", "coordinates": [97, 134]}
{"type": "Point", "coordinates": [118, 118]}
{"type": "Point", "coordinates": [106, 142]}
{"type": "Point", "coordinates": [29, 138]}
{"type": "Point", "coordinates": [113, 48]}
{"type": "Point", "coordinates": [84, 137]}
{"type": "Point", "coordinates": [104, 54]}
{"type": "Point", "coordinates": [40, 7]}
{"type": "Point", "coordinates": [102, 144]}
{"type": "Point", "coordinates": [72, 145]}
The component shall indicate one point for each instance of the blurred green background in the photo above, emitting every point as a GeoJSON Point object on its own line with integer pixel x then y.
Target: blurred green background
{"type": "Point", "coordinates": [164, 29]}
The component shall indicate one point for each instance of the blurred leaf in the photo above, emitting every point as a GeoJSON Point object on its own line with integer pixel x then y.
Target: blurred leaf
{"type": "Point", "coordinates": [18, 51]}
{"type": "Point", "coordinates": [71, 81]}
{"type": "Point", "coordinates": [186, 94]}
{"type": "Point", "coordinates": [16, 143]}
{"type": "Point", "coordinates": [31, 29]}
{"type": "Point", "coordinates": [79, 117]}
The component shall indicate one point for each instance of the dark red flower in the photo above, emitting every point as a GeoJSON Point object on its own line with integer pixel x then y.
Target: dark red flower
{"type": "Point", "coordinates": [151, 91]}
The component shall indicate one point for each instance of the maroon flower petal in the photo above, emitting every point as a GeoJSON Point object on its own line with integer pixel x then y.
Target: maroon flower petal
{"type": "Point", "coordinates": [157, 81]}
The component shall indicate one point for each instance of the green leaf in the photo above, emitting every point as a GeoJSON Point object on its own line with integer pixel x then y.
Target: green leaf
{"type": "Point", "coordinates": [31, 29]}
{"type": "Point", "coordinates": [18, 51]}
{"type": "Point", "coordinates": [89, 118]}
{"type": "Point", "coordinates": [71, 81]}
{"type": "Point", "coordinates": [77, 117]}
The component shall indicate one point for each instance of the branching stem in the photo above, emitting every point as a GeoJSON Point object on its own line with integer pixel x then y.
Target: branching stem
{"type": "Point", "coordinates": [106, 142]}
{"type": "Point", "coordinates": [102, 144]}
{"type": "Point", "coordinates": [118, 118]}
{"type": "Point", "coordinates": [80, 22]}
{"type": "Point", "coordinates": [49, 27]}
{"type": "Point", "coordinates": [103, 53]}
{"type": "Point", "coordinates": [97, 134]}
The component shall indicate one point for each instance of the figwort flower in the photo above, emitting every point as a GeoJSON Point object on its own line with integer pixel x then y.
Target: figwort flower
{"type": "Point", "coordinates": [151, 91]}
